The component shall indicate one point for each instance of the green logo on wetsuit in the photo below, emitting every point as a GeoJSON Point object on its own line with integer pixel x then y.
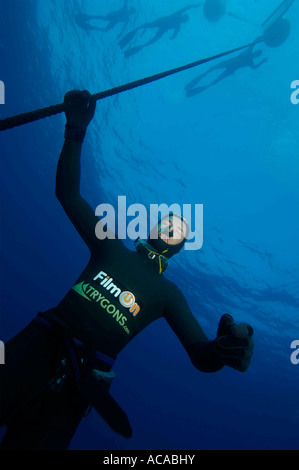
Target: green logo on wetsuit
{"type": "Point", "coordinates": [87, 291]}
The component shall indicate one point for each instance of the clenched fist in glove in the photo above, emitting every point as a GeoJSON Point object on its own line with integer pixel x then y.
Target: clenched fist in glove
{"type": "Point", "coordinates": [234, 343]}
{"type": "Point", "coordinates": [79, 110]}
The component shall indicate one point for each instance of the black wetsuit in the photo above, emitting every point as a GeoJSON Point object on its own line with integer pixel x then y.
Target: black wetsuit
{"type": "Point", "coordinates": [117, 295]}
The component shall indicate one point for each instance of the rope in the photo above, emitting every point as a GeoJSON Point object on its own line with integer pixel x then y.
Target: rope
{"type": "Point", "coordinates": [31, 116]}
{"type": "Point", "coordinates": [281, 10]}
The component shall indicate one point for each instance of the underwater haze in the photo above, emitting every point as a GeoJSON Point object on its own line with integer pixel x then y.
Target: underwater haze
{"type": "Point", "coordinates": [230, 144]}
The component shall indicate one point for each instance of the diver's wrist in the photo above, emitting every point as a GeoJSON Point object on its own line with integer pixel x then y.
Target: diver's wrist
{"type": "Point", "coordinates": [74, 133]}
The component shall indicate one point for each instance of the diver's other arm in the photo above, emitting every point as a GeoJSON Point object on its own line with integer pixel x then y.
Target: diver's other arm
{"type": "Point", "coordinates": [186, 327]}
{"type": "Point", "coordinates": [203, 357]}
{"type": "Point", "coordinates": [233, 346]}
{"type": "Point", "coordinates": [79, 112]}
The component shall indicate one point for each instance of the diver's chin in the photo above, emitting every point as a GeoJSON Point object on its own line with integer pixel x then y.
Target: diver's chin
{"type": "Point", "coordinates": [163, 237]}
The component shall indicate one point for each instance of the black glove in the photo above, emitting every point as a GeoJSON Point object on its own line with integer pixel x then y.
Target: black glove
{"type": "Point", "coordinates": [79, 111]}
{"type": "Point", "coordinates": [234, 343]}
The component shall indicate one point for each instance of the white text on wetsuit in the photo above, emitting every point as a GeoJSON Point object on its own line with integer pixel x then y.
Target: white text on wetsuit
{"type": "Point", "coordinates": [126, 298]}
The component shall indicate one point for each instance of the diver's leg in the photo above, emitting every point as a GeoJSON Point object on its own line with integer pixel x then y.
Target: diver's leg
{"type": "Point", "coordinates": [48, 423]}
{"type": "Point", "coordinates": [157, 36]}
{"type": "Point", "coordinates": [195, 91]}
{"type": "Point", "coordinates": [194, 82]}
{"type": "Point", "coordinates": [128, 37]}
{"type": "Point", "coordinates": [222, 76]}
{"type": "Point", "coordinates": [31, 359]}
{"type": "Point", "coordinates": [90, 27]}
{"type": "Point", "coordinates": [106, 28]}
{"type": "Point", "coordinates": [192, 90]}
{"type": "Point", "coordinates": [190, 86]}
{"type": "Point", "coordinates": [35, 416]}
{"type": "Point", "coordinates": [136, 49]}
{"type": "Point", "coordinates": [123, 28]}
{"type": "Point", "coordinates": [99, 17]}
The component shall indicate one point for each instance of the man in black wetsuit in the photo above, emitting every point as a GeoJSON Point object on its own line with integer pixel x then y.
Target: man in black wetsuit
{"type": "Point", "coordinates": [61, 363]}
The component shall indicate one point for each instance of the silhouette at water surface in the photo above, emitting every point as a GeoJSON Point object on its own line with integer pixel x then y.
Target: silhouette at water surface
{"type": "Point", "coordinates": [162, 25]}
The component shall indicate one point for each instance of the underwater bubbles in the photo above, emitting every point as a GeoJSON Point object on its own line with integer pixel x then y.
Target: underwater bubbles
{"type": "Point", "coordinates": [214, 10]}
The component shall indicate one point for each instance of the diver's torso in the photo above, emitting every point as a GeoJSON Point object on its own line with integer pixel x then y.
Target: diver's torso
{"type": "Point", "coordinates": [116, 296]}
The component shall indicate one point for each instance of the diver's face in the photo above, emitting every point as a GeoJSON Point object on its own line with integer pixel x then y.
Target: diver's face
{"type": "Point", "coordinates": [172, 230]}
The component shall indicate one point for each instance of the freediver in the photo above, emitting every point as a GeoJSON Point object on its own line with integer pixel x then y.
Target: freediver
{"type": "Point", "coordinates": [162, 25]}
{"type": "Point", "coordinates": [61, 364]}
{"type": "Point", "coordinates": [115, 17]}
{"type": "Point", "coordinates": [245, 59]}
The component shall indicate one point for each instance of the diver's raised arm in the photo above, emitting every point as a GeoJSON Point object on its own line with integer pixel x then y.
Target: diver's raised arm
{"type": "Point", "coordinates": [79, 112]}
{"type": "Point", "coordinates": [68, 172]}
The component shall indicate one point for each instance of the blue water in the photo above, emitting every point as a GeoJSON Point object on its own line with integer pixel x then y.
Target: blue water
{"type": "Point", "coordinates": [232, 148]}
